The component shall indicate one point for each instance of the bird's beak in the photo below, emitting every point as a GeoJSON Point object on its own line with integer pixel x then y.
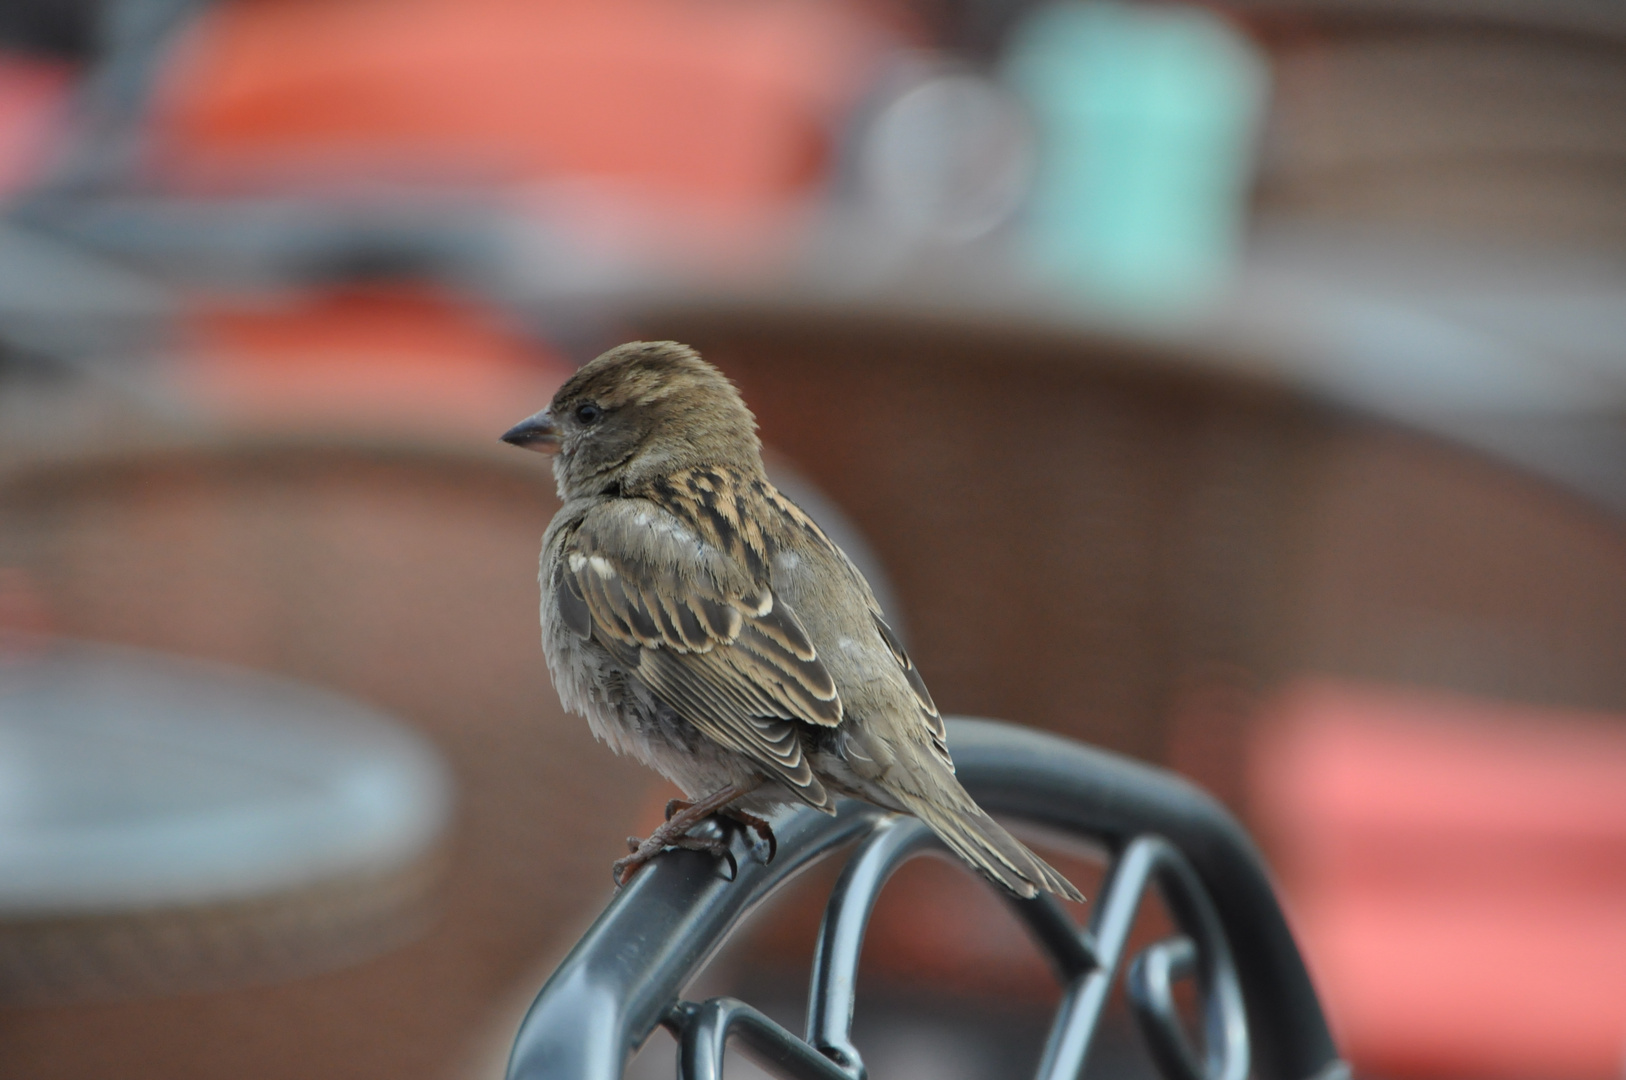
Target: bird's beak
{"type": "Point", "coordinates": [534, 433]}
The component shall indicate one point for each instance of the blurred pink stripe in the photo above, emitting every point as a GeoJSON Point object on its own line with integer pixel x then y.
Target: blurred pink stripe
{"type": "Point", "coordinates": [33, 100]}
{"type": "Point", "coordinates": [1457, 870]}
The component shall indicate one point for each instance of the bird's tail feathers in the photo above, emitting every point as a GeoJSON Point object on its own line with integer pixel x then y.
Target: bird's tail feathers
{"type": "Point", "coordinates": [984, 843]}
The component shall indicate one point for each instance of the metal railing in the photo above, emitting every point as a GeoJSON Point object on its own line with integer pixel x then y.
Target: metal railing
{"type": "Point", "coordinates": [1259, 1013]}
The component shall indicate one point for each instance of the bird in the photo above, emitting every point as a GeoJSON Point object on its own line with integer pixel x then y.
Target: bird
{"type": "Point", "coordinates": [705, 625]}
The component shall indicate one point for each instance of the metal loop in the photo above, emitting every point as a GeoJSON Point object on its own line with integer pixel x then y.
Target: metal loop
{"type": "Point", "coordinates": [1205, 953]}
{"type": "Point", "coordinates": [1145, 859]}
{"type": "Point", "coordinates": [833, 992]}
{"type": "Point", "coordinates": [1151, 994]}
{"type": "Point", "coordinates": [706, 1029]}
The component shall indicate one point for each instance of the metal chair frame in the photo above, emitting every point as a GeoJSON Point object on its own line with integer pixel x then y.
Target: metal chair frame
{"type": "Point", "coordinates": [1260, 1015]}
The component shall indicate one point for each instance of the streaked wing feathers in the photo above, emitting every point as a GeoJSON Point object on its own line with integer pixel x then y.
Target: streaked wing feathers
{"type": "Point", "coordinates": [728, 656]}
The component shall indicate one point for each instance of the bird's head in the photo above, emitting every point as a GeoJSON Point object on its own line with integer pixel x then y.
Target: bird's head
{"type": "Point", "coordinates": [639, 412]}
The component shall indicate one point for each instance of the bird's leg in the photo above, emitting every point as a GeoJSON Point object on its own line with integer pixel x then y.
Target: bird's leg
{"type": "Point", "coordinates": [674, 831]}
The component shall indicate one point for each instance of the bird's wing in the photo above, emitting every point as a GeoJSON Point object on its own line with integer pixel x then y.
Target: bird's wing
{"type": "Point", "coordinates": [717, 646]}
{"type": "Point", "coordinates": [928, 708]}
{"type": "Point", "coordinates": [930, 718]}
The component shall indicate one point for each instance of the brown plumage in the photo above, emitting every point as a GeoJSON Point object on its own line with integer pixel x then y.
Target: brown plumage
{"type": "Point", "coordinates": [703, 623]}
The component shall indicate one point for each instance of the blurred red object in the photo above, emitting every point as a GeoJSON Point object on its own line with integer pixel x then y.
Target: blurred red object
{"type": "Point", "coordinates": [408, 361]}
{"type": "Point", "coordinates": [33, 103]}
{"type": "Point", "coordinates": [723, 103]}
{"type": "Point", "coordinates": [1456, 871]}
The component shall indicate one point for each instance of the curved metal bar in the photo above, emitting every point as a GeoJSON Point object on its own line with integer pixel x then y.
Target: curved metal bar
{"type": "Point", "coordinates": [1111, 920]}
{"type": "Point", "coordinates": [1080, 789]}
{"type": "Point", "coordinates": [1145, 860]}
{"type": "Point", "coordinates": [841, 936]}
{"type": "Point", "coordinates": [627, 971]}
{"type": "Point", "coordinates": [625, 975]}
{"type": "Point", "coordinates": [706, 1029]}
{"type": "Point", "coordinates": [1070, 950]}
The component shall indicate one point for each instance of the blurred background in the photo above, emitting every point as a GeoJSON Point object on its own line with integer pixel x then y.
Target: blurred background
{"type": "Point", "coordinates": [1238, 386]}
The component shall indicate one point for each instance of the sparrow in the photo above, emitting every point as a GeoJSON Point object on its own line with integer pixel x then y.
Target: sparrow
{"type": "Point", "coordinates": [705, 625]}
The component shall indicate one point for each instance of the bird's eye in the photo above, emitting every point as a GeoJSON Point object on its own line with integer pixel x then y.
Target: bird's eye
{"type": "Point", "coordinates": [588, 413]}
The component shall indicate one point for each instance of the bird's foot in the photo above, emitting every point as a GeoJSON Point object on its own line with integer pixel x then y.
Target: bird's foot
{"type": "Point", "coordinates": [661, 839]}
{"type": "Point", "coordinates": [681, 816]}
{"type": "Point", "coordinates": [764, 845]}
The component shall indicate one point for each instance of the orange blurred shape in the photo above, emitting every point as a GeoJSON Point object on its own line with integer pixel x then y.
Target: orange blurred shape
{"type": "Point", "coordinates": [721, 102]}
{"type": "Point", "coordinates": [410, 362]}
{"type": "Point", "coordinates": [1456, 870]}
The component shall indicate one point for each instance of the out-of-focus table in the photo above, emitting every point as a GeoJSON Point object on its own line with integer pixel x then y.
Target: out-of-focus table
{"type": "Point", "coordinates": [169, 824]}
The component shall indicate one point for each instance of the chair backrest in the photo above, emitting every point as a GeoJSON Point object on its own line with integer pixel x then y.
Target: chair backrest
{"type": "Point", "coordinates": [1260, 1014]}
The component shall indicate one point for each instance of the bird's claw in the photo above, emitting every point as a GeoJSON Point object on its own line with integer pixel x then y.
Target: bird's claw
{"type": "Point", "coordinates": [621, 868]}
{"type": "Point", "coordinates": [716, 846]}
{"type": "Point", "coordinates": [764, 846]}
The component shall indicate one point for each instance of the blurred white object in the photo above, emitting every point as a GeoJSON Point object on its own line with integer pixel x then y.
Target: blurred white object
{"type": "Point", "coordinates": [945, 156]}
{"type": "Point", "coordinates": [140, 792]}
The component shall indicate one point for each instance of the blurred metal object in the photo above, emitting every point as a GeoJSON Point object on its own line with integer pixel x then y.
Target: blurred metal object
{"type": "Point", "coordinates": [1517, 353]}
{"type": "Point", "coordinates": [133, 38]}
{"type": "Point", "coordinates": [626, 974]}
{"type": "Point", "coordinates": [167, 824]}
{"type": "Point", "coordinates": [268, 244]}
{"type": "Point", "coordinates": [61, 301]}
